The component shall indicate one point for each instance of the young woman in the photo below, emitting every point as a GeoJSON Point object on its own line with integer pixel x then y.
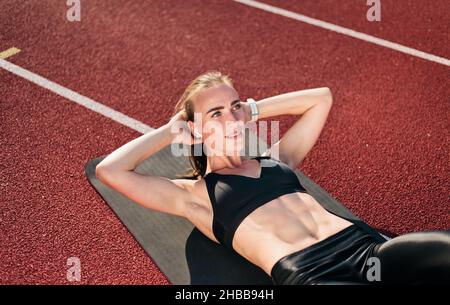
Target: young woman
{"type": "Point", "coordinates": [257, 207]}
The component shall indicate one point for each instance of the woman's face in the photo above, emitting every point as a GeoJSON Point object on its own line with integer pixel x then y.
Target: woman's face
{"type": "Point", "coordinates": [223, 117]}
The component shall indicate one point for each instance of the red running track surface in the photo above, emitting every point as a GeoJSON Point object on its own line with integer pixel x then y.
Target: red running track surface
{"type": "Point", "coordinates": [384, 152]}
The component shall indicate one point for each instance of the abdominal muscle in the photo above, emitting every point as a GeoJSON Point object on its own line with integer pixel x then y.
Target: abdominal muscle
{"type": "Point", "coordinates": [289, 223]}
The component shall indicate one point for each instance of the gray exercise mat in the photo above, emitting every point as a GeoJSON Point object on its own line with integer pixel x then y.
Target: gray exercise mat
{"type": "Point", "coordinates": [182, 252]}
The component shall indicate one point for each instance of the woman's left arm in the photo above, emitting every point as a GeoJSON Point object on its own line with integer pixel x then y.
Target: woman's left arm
{"type": "Point", "coordinates": [313, 105]}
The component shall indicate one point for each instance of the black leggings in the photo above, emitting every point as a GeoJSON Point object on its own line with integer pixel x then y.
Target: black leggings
{"type": "Point", "coordinates": [353, 256]}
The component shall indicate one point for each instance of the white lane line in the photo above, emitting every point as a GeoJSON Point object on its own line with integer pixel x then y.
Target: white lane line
{"type": "Point", "coordinates": [76, 97]}
{"type": "Point", "coordinates": [345, 31]}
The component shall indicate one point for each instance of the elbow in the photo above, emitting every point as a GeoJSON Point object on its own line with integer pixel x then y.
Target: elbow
{"type": "Point", "coordinates": [328, 95]}
{"type": "Point", "coordinates": [102, 172]}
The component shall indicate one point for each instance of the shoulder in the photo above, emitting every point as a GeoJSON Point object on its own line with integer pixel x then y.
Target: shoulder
{"type": "Point", "coordinates": [198, 194]}
{"type": "Point", "coordinates": [198, 208]}
{"type": "Point", "coordinates": [268, 154]}
{"type": "Point", "coordinates": [187, 184]}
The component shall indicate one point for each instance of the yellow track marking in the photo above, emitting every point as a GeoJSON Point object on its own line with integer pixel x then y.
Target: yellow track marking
{"type": "Point", "coordinates": [8, 53]}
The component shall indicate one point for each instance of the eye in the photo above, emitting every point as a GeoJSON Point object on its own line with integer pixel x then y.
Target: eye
{"type": "Point", "coordinates": [214, 114]}
{"type": "Point", "coordinates": [237, 106]}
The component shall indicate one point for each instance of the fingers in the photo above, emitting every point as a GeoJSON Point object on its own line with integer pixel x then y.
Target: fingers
{"type": "Point", "coordinates": [247, 111]}
{"type": "Point", "coordinates": [183, 115]}
{"type": "Point", "coordinates": [179, 116]}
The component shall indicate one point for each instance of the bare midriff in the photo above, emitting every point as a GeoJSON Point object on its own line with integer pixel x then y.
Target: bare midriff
{"type": "Point", "coordinates": [287, 224]}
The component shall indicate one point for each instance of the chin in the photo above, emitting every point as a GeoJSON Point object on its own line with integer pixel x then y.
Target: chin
{"type": "Point", "coordinates": [236, 146]}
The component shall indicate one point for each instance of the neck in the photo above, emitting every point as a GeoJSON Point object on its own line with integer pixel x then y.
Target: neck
{"type": "Point", "coordinates": [216, 163]}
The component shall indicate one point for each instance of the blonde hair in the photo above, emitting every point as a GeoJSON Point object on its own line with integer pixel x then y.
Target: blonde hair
{"type": "Point", "coordinates": [204, 81]}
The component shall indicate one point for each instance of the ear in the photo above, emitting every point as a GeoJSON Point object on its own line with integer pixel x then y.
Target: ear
{"type": "Point", "coordinates": [191, 126]}
{"type": "Point", "coordinates": [196, 135]}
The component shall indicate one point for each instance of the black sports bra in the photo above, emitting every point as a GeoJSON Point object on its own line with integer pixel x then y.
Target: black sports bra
{"type": "Point", "coordinates": [234, 197]}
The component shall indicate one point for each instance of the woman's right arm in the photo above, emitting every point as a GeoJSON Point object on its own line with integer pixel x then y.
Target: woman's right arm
{"type": "Point", "coordinates": [153, 192]}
